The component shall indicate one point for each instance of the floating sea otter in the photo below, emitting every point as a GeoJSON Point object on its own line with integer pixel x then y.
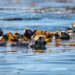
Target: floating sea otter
{"type": "Point", "coordinates": [38, 39]}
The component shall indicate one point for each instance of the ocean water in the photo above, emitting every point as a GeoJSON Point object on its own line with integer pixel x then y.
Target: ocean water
{"type": "Point", "coordinates": [22, 61]}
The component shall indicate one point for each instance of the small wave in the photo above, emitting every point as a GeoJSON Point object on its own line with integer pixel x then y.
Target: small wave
{"type": "Point", "coordinates": [20, 19]}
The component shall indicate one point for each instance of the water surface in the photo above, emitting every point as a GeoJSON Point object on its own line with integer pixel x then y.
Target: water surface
{"type": "Point", "coordinates": [24, 61]}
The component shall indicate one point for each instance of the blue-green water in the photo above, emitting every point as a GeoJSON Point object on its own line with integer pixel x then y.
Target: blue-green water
{"type": "Point", "coordinates": [24, 62]}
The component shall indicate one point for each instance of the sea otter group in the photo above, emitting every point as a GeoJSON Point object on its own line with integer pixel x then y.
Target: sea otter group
{"type": "Point", "coordinates": [37, 39]}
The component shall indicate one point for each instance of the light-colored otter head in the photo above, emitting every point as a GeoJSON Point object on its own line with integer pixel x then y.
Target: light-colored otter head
{"type": "Point", "coordinates": [73, 25]}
